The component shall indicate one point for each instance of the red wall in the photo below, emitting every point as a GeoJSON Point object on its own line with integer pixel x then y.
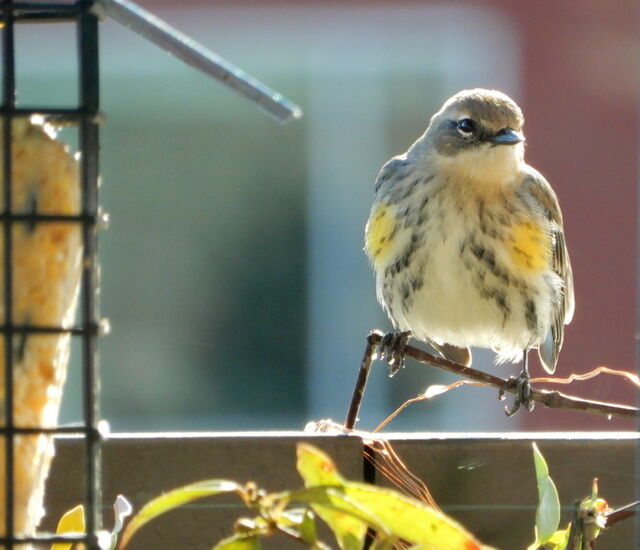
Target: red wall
{"type": "Point", "coordinates": [580, 83]}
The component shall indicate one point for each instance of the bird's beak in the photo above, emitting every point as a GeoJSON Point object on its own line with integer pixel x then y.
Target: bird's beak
{"type": "Point", "coordinates": [507, 136]}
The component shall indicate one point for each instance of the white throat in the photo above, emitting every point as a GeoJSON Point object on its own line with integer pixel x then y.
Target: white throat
{"type": "Point", "coordinates": [487, 164]}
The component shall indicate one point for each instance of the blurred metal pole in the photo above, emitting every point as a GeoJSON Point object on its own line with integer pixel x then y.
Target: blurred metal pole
{"type": "Point", "coordinates": [196, 55]}
{"type": "Point", "coordinates": [89, 148]}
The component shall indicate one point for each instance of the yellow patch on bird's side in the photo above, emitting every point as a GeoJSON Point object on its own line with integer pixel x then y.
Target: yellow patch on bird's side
{"type": "Point", "coordinates": [379, 233]}
{"type": "Point", "coordinates": [530, 246]}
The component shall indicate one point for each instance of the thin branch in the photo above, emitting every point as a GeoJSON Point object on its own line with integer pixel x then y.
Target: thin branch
{"type": "Point", "coordinates": [361, 384]}
{"type": "Point", "coordinates": [548, 398]}
{"type": "Point", "coordinates": [630, 376]}
{"type": "Point", "coordinates": [401, 408]}
{"type": "Point", "coordinates": [615, 516]}
{"type": "Point", "coordinates": [576, 529]}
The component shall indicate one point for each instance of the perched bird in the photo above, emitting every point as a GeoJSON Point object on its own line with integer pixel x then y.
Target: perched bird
{"type": "Point", "coordinates": [467, 243]}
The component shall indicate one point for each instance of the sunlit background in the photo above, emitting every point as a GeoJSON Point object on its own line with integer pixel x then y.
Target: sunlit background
{"type": "Point", "coordinates": [233, 273]}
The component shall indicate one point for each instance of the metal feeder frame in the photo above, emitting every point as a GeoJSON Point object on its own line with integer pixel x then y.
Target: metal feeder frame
{"type": "Point", "coordinates": [86, 117]}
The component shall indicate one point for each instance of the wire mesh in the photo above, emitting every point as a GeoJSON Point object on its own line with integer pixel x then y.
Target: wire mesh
{"type": "Point", "coordinates": [86, 117]}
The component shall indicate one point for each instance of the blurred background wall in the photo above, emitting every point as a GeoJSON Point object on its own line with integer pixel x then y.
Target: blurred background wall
{"type": "Point", "coordinates": [233, 271]}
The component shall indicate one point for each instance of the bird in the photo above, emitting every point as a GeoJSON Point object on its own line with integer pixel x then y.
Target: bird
{"type": "Point", "coordinates": [467, 242]}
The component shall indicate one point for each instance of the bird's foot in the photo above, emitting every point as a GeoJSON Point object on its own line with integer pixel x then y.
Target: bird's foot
{"type": "Point", "coordinates": [392, 350]}
{"type": "Point", "coordinates": [523, 393]}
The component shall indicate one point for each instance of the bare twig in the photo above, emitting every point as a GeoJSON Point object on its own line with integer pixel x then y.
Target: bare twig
{"type": "Point", "coordinates": [630, 376]}
{"type": "Point", "coordinates": [576, 529]}
{"type": "Point", "coordinates": [619, 514]}
{"type": "Point", "coordinates": [548, 398]}
{"type": "Point", "coordinates": [361, 384]}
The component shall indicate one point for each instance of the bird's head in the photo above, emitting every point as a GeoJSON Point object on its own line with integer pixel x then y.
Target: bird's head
{"type": "Point", "coordinates": [478, 133]}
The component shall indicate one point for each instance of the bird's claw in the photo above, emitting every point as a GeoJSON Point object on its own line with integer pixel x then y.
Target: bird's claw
{"type": "Point", "coordinates": [392, 350]}
{"type": "Point", "coordinates": [523, 393]}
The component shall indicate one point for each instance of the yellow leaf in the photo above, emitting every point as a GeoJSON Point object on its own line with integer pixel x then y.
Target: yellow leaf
{"type": "Point", "coordinates": [410, 519]}
{"type": "Point", "coordinates": [239, 542]}
{"type": "Point", "coordinates": [300, 522]}
{"type": "Point", "coordinates": [348, 507]}
{"type": "Point", "coordinates": [316, 468]}
{"type": "Point", "coordinates": [71, 522]}
{"type": "Point", "coordinates": [175, 499]}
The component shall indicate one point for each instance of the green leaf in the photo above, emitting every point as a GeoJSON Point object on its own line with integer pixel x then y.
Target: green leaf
{"type": "Point", "coordinates": [303, 520]}
{"type": "Point", "coordinates": [548, 511]}
{"type": "Point", "coordinates": [73, 522]}
{"type": "Point", "coordinates": [387, 511]}
{"type": "Point", "coordinates": [174, 499]}
{"type": "Point", "coordinates": [334, 498]}
{"type": "Point", "coordinates": [347, 520]}
{"type": "Point", "coordinates": [410, 519]}
{"type": "Point", "coordinates": [348, 530]}
{"type": "Point", "coordinates": [308, 527]}
{"type": "Point", "coordinates": [239, 542]}
{"type": "Point", "coordinates": [559, 539]}
{"type": "Point", "coordinates": [384, 543]}
{"type": "Point", "coordinates": [252, 526]}
{"type": "Point", "coordinates": [316, 468]}
{"type": "Point", "coordinates": [391, 514]}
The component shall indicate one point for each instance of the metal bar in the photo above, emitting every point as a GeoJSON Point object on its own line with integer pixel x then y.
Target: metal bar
{"type": "Point", "coordinates": [9, 103]}
{"type": "Point", "coordinates": [89, 173]}
{"type": "Point", "coordinates": [71, 7]}
{"type": "Point", "coordinates": [51, 11]}
{"type": "Point", "coordinates": [60, 114]}
{"type": "Point", "coordinates": [64, 430]}
{"type": "Point", "coordinates": [196, 55]}
{"type": "Point", "coordinates": [51, 218]}
{"type": "Point", "coordinates": [85, 330]}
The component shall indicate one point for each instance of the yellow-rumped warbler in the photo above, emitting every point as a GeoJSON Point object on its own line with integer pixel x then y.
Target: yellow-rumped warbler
{"type": "Point", "coordinates": [466, 239]}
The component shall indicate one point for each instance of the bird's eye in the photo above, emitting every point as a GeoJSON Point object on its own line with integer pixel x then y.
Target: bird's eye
{"type": "Point", "coordinates": [466, 127]}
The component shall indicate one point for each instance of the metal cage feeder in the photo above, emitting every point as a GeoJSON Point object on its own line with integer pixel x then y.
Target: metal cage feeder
{"type": "Point", "coordinates": [18, 330]}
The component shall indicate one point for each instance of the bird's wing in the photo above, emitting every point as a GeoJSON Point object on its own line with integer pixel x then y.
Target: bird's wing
{"type": "Point", "coordinates": [383, 222]}
{"type": "Point", "coordinates": [541, 192]}
{"type": "Point", "coordinates": [395, 168]}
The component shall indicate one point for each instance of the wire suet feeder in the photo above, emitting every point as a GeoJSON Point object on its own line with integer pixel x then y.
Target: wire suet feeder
{"type": "Point", "coordinates": [59, 236]}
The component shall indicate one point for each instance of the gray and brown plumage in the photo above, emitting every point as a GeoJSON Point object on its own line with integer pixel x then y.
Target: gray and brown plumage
{"type": "Point", "coordinates": [467, 240]}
